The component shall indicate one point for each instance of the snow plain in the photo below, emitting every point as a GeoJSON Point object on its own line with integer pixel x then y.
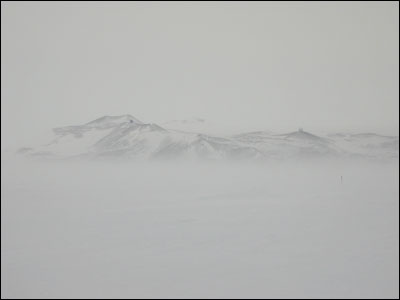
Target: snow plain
{"type": "Point", "coordinates": [210, 230]}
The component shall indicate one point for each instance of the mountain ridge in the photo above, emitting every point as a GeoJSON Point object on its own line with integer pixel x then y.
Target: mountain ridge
{"type": "Point", "coordinates": [125, 136]}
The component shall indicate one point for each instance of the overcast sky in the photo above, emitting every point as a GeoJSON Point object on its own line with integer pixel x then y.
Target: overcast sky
{"type": "Point", "coordinates": [249, 66]}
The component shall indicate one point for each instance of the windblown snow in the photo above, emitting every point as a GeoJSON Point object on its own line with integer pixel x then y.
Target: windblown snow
{"type": "Point", "coordinates": [171, 230]}
{"type": "Point", "coordinates": [121, 208]}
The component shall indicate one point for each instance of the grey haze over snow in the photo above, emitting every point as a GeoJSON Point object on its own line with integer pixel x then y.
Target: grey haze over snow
{"type": "Point", "coordinates": [244, 66]}
{"type": "Point", "coordinates": [192, 150]}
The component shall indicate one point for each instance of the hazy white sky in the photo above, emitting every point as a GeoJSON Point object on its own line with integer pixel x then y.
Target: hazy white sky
{"type": "Point", "coordinates": [275, 66]}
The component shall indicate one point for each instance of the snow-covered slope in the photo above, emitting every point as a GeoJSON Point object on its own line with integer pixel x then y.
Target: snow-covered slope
{"type": "Point", "coordinates": [298, 144]}
{"type": "Point", "coordinates": [368, 144]}
{"type": "Point", "coordinates": [127, 137]}
{"type": "Point", "coordinates": [153, 141]}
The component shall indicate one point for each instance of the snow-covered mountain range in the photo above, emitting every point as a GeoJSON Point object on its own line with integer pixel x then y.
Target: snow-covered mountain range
{"type": "Point", "coordinates": [127, 137]}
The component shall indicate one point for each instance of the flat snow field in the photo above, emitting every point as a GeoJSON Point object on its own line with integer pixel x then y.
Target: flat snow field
{"type": "Point", "coordinates": [126, 230]}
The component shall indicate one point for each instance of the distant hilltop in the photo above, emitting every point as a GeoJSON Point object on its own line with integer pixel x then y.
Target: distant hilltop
{"type": "Point", "coordinates": [126, 137]}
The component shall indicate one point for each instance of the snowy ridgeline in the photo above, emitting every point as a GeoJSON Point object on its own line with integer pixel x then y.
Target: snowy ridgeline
{"type": "Point", "coordinates": [127, 137]}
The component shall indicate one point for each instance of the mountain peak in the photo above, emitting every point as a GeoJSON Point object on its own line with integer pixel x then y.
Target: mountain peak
{"type": "Point", "coordinates": [303, 135]}
{"type": "Point", "coordinates": [113, 120]}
